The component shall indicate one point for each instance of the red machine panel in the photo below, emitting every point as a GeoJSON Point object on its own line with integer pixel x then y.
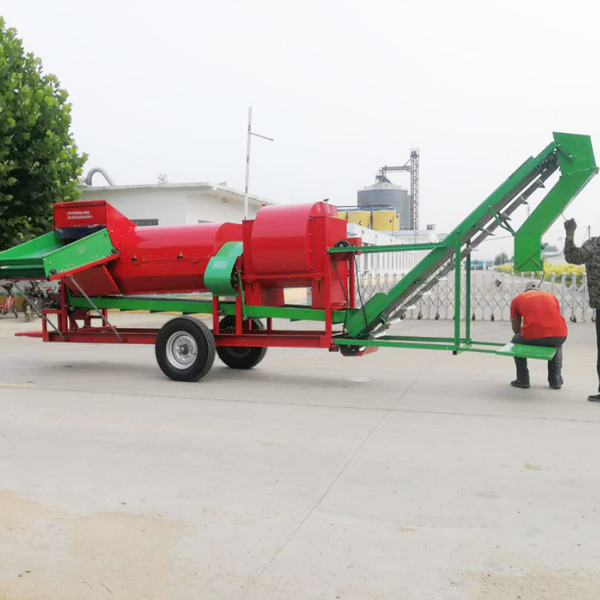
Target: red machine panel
{"type": "Point", "coordinates": [74, 220]}
{"type": "Point", "coordinates": [80, 214]}
{"type": "Point", "coordinates": [286, 247]}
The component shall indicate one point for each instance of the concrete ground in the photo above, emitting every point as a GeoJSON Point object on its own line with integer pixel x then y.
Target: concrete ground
{"type": "Point", "coordinates": [400, 475]}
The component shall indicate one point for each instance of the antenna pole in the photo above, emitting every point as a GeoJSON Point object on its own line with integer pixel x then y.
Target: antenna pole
{"type": "Point", "coordinates": [250, 134]}
{"type": "Point", "coordinates": [248, 163]}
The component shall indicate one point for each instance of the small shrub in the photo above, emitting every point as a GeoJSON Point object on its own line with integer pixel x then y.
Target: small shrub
{"type": "Point", "coordinates": [571, 272]}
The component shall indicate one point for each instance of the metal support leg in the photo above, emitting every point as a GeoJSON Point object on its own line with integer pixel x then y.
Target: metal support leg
{"type": "Point", "coordinates": [468, 294]}
{"type": "Point", "coordinates": [98, 311]}
{"type": "Point", "coordinates": [39, 313]}
{"type": "Point", "coordinates": [457, 295]}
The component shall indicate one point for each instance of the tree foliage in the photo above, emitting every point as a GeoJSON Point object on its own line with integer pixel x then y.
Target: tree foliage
{"type": "Point", "coordinates": [39, 161]}
{"type": "Point", "coordinates": [501, 258]}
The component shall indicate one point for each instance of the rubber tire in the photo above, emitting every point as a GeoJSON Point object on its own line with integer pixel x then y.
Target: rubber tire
{"type": "Point", "coordinates": [206, 349]}
{"type": "Point", "coordinates": [236, 357]}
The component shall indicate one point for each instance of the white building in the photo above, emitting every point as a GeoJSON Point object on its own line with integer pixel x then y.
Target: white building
{"type": "Point", "coordinates": [176, 203]}
{"type": "Point", "coordinates": [396, 263]}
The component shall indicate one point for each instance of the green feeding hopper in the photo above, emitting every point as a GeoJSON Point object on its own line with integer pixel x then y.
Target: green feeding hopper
{"type": "Point", "coordinates": [48, 257]}
{"type": "Point", "coordinates": [70, 247]}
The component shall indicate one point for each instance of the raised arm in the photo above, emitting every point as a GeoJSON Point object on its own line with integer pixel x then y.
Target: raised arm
{"type": "Point", "coordinates": [573, 254]}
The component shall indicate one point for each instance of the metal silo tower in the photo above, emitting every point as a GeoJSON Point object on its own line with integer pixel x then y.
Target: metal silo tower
{"type": "Point", "coordinates": [412, 167]}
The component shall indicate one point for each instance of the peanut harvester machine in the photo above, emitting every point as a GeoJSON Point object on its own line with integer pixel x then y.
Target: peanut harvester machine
{"type": "Point", "coordinates": [103, 261]}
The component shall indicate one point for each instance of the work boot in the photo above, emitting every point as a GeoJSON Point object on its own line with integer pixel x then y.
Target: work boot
{"type": "Point", "coordinates": [595, 398]}
{"type": "Point", "coordinates": [555, 380]}
{"type": "Point", "coordinates": [522, 380]}
{"type": "Point", "coordinates": [520, 383]}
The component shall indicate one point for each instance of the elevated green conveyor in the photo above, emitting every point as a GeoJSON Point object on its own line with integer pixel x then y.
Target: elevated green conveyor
{"type": "Point", "coordinates": [571, 154]}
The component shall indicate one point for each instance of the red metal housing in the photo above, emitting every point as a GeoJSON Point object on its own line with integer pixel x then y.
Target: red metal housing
{"type": "Point", "coordinates": [152, 260]}
{"type": "Point", "coordinates": [286, 247]}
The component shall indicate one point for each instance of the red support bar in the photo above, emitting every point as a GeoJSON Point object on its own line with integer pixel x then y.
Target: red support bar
{"type": "Point", "coordinates": [352, 290]}
{"type": "Point", "coordinates": [279, 339]}
{"type": "Point", "coordinates": [327, 281]}
{"type": "Point", "coordinates": [107, 336]}
{"type": "Point", "coordinates": [239, 326]}
{"type": "Point", "coordinates": [62, 320]}
{"type": "Point", "coordinates": [215, 314]}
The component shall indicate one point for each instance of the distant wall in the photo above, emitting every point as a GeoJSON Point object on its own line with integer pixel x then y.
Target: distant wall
{"type": "Point", "coordinates": [171, 206]}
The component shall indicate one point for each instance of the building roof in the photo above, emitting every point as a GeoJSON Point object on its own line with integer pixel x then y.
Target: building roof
{"type": "Point", "coordinates": [219, 190]}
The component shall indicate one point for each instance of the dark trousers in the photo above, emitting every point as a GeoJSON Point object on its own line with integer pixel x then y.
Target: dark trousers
{"type": "Point", "coordinates": [554, 365]}
{"type": "Point", "coordinates": [598, 344]}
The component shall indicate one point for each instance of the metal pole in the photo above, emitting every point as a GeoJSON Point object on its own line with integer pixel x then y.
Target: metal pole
{"type": "Point", "coordinates": [248, 163]}
{"type": "Point", "coordinates": [457, 291]}
{"type": "Point", "coordinates": [94, 307]}
{"type": "Point", "coordinates": [468, 294]}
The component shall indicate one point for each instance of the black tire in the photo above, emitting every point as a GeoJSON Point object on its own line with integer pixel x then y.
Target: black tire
{"type": "Point", "coordinates": [185, 349]}
{"type": "Point", "coordinates": [237, 357]}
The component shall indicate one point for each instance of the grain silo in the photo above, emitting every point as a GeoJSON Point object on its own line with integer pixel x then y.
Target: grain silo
{"type": "Point", "coordinates": [384, 194]}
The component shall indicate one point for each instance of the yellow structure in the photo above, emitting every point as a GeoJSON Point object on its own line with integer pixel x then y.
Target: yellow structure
{"type": "Point", "coordinates": [360, 217]}
{"type": "Point", "coordinates": [377, 219]}
{"type": "Point", "coordinates": [386, 220]}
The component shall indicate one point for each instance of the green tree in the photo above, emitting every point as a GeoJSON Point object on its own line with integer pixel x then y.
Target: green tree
{"type": "Point", "coordinates": [501, 258]}
{"type": "Point", "coordinates": [39, 161]}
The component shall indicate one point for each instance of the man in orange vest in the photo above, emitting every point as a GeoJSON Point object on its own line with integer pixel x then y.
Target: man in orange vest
{"type": "Point", "coordinates": [536, 321]}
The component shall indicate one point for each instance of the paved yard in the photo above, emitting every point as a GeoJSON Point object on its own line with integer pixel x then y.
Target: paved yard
{"type": "Point", "coordinates": [401, 475]}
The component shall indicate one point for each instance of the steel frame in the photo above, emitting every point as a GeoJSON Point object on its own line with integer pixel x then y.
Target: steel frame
{"type": "Point", "coordinates": [80, 308]}
{"type": "Point", "coordinates": [457, 343]}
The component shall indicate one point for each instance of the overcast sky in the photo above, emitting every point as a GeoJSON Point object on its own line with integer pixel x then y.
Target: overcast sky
{"type": "Point", "coordinates": [343, 86]}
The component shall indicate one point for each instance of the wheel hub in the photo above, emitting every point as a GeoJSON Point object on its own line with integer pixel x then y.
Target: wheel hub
{"type": "Point", "coordinates": [182, 350]}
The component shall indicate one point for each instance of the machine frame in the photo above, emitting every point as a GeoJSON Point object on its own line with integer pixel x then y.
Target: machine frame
{"type": "Point", "coordinates": [363, 327]}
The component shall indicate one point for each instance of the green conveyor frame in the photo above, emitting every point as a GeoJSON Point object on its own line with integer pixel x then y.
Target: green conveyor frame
{"type": "Point", "coordinates": [364, 326]}
{"type": "Point", "coordinates": [571, 154]}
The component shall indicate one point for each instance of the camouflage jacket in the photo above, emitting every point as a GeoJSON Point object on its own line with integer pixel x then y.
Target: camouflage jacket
{"type": "Point", "coordinates": [588, 254]}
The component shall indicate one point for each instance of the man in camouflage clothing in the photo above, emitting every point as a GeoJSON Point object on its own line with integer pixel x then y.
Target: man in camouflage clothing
{"type": "Point", "coordinates": [588, 254]}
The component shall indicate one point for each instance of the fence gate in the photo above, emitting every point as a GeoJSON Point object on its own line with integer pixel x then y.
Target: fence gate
{"type": "Point", "coordinates": [491, 295]}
